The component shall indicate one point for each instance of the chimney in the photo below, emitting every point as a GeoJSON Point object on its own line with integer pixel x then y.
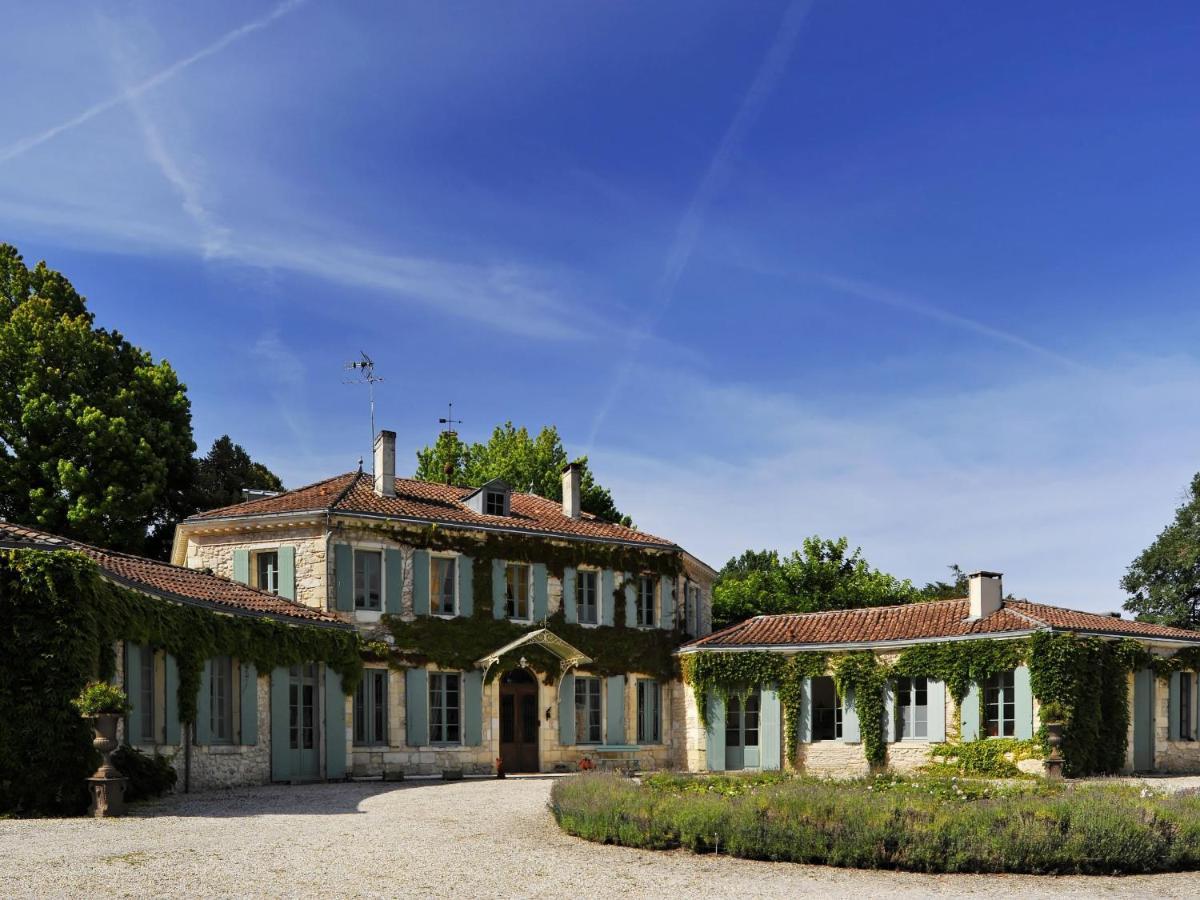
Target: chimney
{"type": "Point", "coordinates": [986, 593]}
{"type": "Point", "coordinates": [385, 464]}
{"type": "Point", "coordinates": [570, 484]}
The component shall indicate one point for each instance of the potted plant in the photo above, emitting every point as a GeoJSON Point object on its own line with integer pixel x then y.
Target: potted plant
{"type": "Point", "coordinates": [1054, 717]}
{"type": "Point", "coordinates": [103, 704]}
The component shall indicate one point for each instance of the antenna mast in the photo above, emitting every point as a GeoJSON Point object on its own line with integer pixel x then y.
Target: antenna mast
{"type": "Point", "coordinates": [365, 366]}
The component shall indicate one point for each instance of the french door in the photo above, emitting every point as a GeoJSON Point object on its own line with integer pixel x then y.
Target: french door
{"type": "Point", "coordinates": [741, 732]}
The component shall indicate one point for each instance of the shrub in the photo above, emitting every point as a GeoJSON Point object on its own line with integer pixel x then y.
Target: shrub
{"type": "Point", "coordinates": [918, 824]}
{"type": "Point", "coordinates": [149, 776]}
{"type": "Point", "coordinates": [101, 697]}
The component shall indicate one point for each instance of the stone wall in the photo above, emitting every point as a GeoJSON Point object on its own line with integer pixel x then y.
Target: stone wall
{"type": "Point", "coordinates": [215, 552]}
{"type": "Point", "coordinates": [1170, 756]}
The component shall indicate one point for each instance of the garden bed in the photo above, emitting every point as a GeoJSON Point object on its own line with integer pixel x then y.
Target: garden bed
{"type": "Point", "coordinates": [920, 824]}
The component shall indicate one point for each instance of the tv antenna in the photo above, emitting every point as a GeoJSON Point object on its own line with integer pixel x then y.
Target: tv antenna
{"type": "Point", "coordinates": [449, 421]}
{"type": "Point", "coordinates": [365, 367]}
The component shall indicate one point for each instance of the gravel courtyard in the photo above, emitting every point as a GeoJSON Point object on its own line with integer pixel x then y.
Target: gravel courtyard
{"type": "Point", "coordinates": [465, 839]}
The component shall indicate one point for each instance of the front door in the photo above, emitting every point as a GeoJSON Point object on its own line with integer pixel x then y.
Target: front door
{"type": "Point", "coordinates": [303, 733]}
{"type": "Point", "coordinates": [1143, 721]}
{"type": "Point", "coordinates": [741, 732]}
{"type": "Point", "coordinates": [519, 721]}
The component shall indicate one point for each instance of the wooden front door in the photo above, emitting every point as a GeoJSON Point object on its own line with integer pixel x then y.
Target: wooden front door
{"type": "Point", "coordinates": [519, 721]}
{"type": "Point", "coordinates": [741, 732]}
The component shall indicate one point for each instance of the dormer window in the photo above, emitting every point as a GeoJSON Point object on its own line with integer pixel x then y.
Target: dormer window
{"type": "Point", "coordinates": [493, 503]}
{"type": "Point", "coordinates": [491, 499]}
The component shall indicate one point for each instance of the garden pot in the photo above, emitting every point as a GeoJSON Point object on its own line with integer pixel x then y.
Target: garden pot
{"type": "Point", "coordinates": [1054, 762]}
{"type": "Point", "coordinates": [107, 786]}
{"type": "Point", "coordinates": [105, 727]}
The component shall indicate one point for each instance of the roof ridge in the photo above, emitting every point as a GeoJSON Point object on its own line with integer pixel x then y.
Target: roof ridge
{"type": "Point", "coordinates": [863, 609]}
{"type": "Point", "coordinates": [275, 496]}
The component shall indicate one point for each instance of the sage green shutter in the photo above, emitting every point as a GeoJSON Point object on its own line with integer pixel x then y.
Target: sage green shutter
{"type": "Point", "coordinates": [204, 705]}
{"type": "Point", "coordinates": [936, 696]}
{"type": "Point", "coordinates": [630, 599]}
{"type": "Point", "coordinates": [473, 713]}
{"type": "Point", "coordinates": [343, 569]}
{"type": "Point", "coordinates": [420, 578]}
{"type": "Point", "coordinates": [249, 703]}
{"type": "Point", "coordinates": [566, 709]}
{"type": "Point", "coordinates": [416, 707]}
{"type": "Point", "coordinates": [171, 697]}
{"type": "Point", "coordinates": [1023, 705]}
{"type": "Point", "coordinates": [850, 729]}
{"type": "Point", "coordinates": [541, 593]}
{"type": "Point", "coordinates": [770, 734]}
{"type": "Point", "coordinates": [1173, 707]}
{"type": "Point", "coordinates": [241, 566]}
{"type": "Point", "coordinates": [133, 690]}
{"type": "Point", "coordinates": [466, 585]}
{"type": "Point", "coordinates": [393, 580]}
{"type": "Point", "coordinates": [969, 714]}
{"type": "Point", "coordinates": [287, 572]}
{"type": "Point", "coordinates": [499, 586]}
{"type": "Point", "coordinates": [804, 726]}
{"type": "Point", "coordinates": [890, 731]}
{"type": "Point", "coordinates": [335, 725]}
{"type": "Point", "coordinates": [715, 743]}
{"type": "Point", "coordinates": [569, 607]}
{"type": "Point", "coordinates": [607, 597]}
{"type": "Point", "coordinates": [615, 711]}
{"type": "Point", "coordinates": [666, 602]}
{"type": "Point", "coordinates": [281, 755]}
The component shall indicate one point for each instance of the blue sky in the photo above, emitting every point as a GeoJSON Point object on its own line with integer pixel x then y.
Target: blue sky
{"type": "Point", "coordinates": [919, 274]}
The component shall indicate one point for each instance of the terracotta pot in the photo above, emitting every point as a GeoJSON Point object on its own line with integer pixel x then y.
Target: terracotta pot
{"type": "Point", "coordinates": [1054, 737]}
{"type": "Point", "coordinates": [105, 741]}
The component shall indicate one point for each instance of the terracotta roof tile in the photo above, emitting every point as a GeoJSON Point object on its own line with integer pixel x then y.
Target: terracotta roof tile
{"type": "Point", "coordinates": [172, 582]}
{"type": "Point", "coordinates": [918, 621]}
{"type": "Point", "coordinates": [429, 501]}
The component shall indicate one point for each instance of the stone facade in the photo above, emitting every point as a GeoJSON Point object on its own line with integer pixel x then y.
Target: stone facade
{"type": "Point", "coordinates": [1176, 756]}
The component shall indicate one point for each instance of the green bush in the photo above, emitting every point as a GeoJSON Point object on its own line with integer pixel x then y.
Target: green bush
{"type": "Point", "coordinates": [919, 824]}
{"type": "Point", "coordinates": [101, 697]}
{"type": "Point", "coordinates": [149, 776]}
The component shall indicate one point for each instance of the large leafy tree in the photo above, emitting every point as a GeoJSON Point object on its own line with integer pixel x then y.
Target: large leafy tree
{"type": "Point", "coordinates": [822, 575]}
{"type": "Point", "coordinates": [1164, 581]}
{"type": "Point", "coordinates": [95, 436]}
{"type": "Point", "coordinates": [526, 462]}
{"type": "Point", "coordinates": [955, 589]}
{"type": "Point", "coordinates": [223, 473]}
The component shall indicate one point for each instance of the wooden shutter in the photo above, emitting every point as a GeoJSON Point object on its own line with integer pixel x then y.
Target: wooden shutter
{"type": "Point", "coordinates": [666, 602]}
{"type": "Point", "coordinates": [473, 708]}
{"type": "Point", "coordinates": [541, 592]}
{"type": "Point", "coordinates": [850, 728]}
{"type": "Point", "coordinates": [241, 565]}
{"type": "Point", "coordinates": [343, 570]}
{"type": "Point", "coordinates": [335, 725]}
{"type": "Point", "coordinates": [416, 707]}
{"type": "Point", "coordinates": [770, 735]}
{"type": "Point", "coordinates": [615, 709]}
{"type": "Point", "coordinates": [607, 597]}
{"type": "Point", "coordinates": [969, 714]}
{"type": "Point", "coordinates": [715, 740]}
{"type": "Point", "coordinates": [570, 610]}
{"type": "Point", "coordinates": [566, 709]}
{"type": "Point", "coordinates": [287, 572]}
{"type": "Point", "coordinates": [133, 690]}
{"type": "Point", "coordinates": [890, 732]}
{"type": "Point", "coordinates": [466, 585]}
{"type": "Point", "coordinates": [204, 705]}
{"type": "Point", "coordinates": [1023, 706]}
{"type": "Point", "coordinates": [1173, 707]}
{"type": "Point", "coordinates": [420, 580]}
{"type": "Point", "coordinates": [393, 580]}
{"type": "Point", "coordinates": [281, 754]}
{"type": "Point", "coordinates": [499, 586]}
{"type": "Point", "coordinates": [248, 702]}
{"type": "Point", "coordinates": [630, 599]}
{"type": "Point", "coordinates": [804, 726]}
{"type": "Point", "coordinates": [937, 710]}
{"type": "Point", "coordinates": [171, 698]}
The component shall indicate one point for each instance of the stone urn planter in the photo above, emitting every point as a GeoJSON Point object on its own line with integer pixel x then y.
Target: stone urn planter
{"type": "Point", "coordinates": [107, 785]}
{"type": "Point", "coordinates": [1054, 762]}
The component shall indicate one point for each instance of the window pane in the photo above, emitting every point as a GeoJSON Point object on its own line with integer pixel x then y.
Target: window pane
{"type": "Point", "coordinates": [733, 722]}
{"type": "Point", "coordinates": [585, 596]}
{"type": "Point", "coordinates": [368, 579]}
{"type": "Point", "coordinates": [517, 591]}
{"type": "Point", "coordinates": [443, 586]}
{"type": "Point", "coordinates": [752, 720]}
{"type": "Point", "coordinates": [268, 571]}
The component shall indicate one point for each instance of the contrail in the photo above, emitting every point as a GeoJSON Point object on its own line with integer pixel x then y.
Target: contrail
{"type": "Point", "coordinates": [134, 91]}
{"type": "Point", "coordinates": [769, 73]}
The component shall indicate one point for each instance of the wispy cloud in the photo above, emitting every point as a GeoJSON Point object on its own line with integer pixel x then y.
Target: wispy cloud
{"type": "Point", "coordinates": [134, 91]}
{"type": "Point", "coordinates": [715, 177]}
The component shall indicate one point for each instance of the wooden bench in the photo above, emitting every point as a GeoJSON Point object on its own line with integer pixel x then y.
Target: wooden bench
{"type": "Point", "coordinates": [618, 757]}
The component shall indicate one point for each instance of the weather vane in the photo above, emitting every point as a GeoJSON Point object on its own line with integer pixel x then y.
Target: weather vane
{"type": "Point", "coordinates": [366, 369]}
{"type": "Point", "coordinates": [449, 421]}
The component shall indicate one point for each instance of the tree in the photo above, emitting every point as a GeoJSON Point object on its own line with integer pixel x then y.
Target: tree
{"type": "Point", "coordinates": [532, 464]}
{"type": "Point", "coordinates": [95, 437]}
{"type": "Point", "coordinates": [1164, 580]}
{"type": "Point", "coordinates": [224, 472]}
{"type": "Point", "coordinates": [955, 589]}
{"type": "Point", "coordinates": [822, 575]}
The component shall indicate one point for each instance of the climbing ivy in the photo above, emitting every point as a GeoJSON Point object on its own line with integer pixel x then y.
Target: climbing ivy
{"type": "Point", "coordinates": [862, 676]}
{"type": "Point", "coordinates": [959, 663]}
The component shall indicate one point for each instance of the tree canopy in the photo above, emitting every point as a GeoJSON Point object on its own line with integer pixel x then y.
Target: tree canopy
{"type": "Point", "coordinates": [527, 463]}
{"type": "Point", "coordinates": [223, 473]}
{"type": "Point", "coordinates": [822, 575]}
{"type": "Point", "coordinates": [1164, 580]}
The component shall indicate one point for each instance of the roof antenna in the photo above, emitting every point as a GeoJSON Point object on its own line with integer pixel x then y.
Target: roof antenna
{"type": "Point", "coordinates": [366, 367]}
{"type": "Point", "coordinates": [449, 421]}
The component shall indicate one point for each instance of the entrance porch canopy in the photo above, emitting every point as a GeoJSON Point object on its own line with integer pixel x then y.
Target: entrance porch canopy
{"type": "Point", "coordinates": [568, 656]}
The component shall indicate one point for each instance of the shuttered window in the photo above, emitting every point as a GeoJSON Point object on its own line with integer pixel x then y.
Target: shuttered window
{"type": "Point", "coordinates": [826, 714]}
{"type": "Point", "coordinates": [370, 709]}
{"type": "Point", "coordinates": [266, 571]}
{"type": "Point", "coordinates": [1000, 706]}
{"type": "Point", "coordinates": [221, 701]}
{"type": "Point", "coordinates": [649, 712]}
{"type": "Point", "coordinates": [443, 591]}
{"type": "Point", "coordinates": [445, 708]}
{"type": "Point", "coordinates": [589, 712]}
{"type": "Point", "coordinates": [368, 579]}
{"type": "Point", "coordinates": [912, 708]}
{"type": "Point", "coordinates": [585, 596]}
{"type": "Point", "coordinates": [517, 591]}
{"type": "Point", "coordinates": [645, 601]}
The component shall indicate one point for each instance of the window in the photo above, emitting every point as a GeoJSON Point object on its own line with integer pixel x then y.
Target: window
{"type": "Point", "coordinates": [588, 712]}
{"type": "Point", "coordinates": [266, 571]}
{"type": "Point", "coordinates": [649, 712]}
{"type": "Point", "coordinates": [444, 711]}
{"type": "Point", "coordinates": [368, 579]}
{"type": "Point", "coordinates": [517, 591]}
{"type": "Point", "coordinates": [221, 700]}
{"type": "Point", "coordinates": [741, 721]}
{"type": "Point", "coordinates": [645, 601]}
{"type": "Point", "coordinates": [585, 596]}
{"type": "Point", "coordinates": [370, 709]}
{"type": "Point", "coordinates": [692, 613]}
{"type": "Point", "coordinates": [912, 708]}
{"type": "Point", "coordinates": [826, 710]}
{"type": "Point", "coordinates": [1000, 706]}
{"type": "Point", "coordinates": [493, 503]}
{"type": "Point", "coordinates": [443, 596]}
{"type": "Point", "coordinates": [147, 700]}
{"type": "Point", "coordinates": [1185, 706]}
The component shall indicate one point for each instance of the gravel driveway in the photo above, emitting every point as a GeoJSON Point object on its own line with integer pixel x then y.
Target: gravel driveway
{"type": "Point", "coordinates": [464, 839]}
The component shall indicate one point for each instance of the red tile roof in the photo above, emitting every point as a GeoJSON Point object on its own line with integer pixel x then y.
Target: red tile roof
{"type": "Point", "coordinates": [428, 501]}
{"type": "Point", "coordinates": [922, 621]}
{"type": "Point", "coordinates": [172, 582]}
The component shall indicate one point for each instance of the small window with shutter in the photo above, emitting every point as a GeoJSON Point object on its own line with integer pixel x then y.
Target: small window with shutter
{"type": "Point", "coordinates": [266, 571]}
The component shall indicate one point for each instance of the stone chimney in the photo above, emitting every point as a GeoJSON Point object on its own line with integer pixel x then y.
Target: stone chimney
{"type": "Point", "coordinates": [986, 593]}
{"type": "Point", "coordinates": [385, 464]}
{"type": "Point", "coordinates": [570, 484]}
